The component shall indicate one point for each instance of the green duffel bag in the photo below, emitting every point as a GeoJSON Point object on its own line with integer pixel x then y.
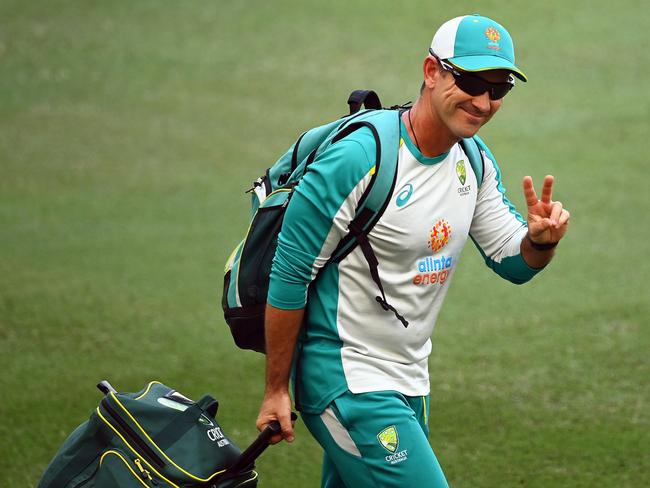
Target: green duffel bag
{"type": "Point", "coordinates": [154, 438]}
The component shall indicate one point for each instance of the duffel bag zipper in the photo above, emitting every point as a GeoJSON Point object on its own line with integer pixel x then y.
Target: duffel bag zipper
{"type": "Point", "coordinates": [126, 428]}
{"type": "Point", "coordinates": [144, 474]}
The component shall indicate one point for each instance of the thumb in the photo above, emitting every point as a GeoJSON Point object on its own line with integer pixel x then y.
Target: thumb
{"type": "Point", "coordinates": [538, 226]}
{"type": "Point", "coordinates": [286, 426]}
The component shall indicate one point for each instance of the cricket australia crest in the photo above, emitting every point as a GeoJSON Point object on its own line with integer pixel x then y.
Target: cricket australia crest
{"type": "Point", "coordinates": [388, 438]}
{"type": "Point", "coordinates": [461, 171]}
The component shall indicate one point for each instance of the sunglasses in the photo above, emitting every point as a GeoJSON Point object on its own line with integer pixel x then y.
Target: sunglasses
{"type": "Point", "coordinates": [475, 85]}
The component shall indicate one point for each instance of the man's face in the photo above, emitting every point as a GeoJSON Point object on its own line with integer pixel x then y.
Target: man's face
{"type": "Point", "coordinates": [461, 113]}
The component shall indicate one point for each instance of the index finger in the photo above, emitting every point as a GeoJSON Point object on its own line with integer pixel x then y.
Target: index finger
{"type": "Point", "coordinates": [529, 191]}
{"type": "Point", "coordinates": [547, 189]}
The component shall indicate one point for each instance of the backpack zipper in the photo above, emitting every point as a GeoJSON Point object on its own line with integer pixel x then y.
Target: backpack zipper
{"type": "Point", "coordinates": [126, 428]}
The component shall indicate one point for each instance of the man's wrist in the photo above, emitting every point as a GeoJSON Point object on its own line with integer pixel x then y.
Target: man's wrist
{"type": "Point", "coordinates": [276, 389]}
{"type": "Point", "coordinates": [540, 247]}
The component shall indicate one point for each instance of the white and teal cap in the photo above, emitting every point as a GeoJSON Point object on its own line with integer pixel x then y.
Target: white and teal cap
{"type": "Point", "coordinates": [476, 43]}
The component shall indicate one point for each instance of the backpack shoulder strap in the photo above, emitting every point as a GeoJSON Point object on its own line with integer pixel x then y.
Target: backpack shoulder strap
{"type": "Point", "coordinates": [471, 148]}
{"type": "Point", "coordinates": [385, 128]}
{"type": "Point", "coordinates": [384, 125]}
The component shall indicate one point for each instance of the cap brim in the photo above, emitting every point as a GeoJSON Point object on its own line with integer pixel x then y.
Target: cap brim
{"type": "Point", "coordinates": [484, 63]}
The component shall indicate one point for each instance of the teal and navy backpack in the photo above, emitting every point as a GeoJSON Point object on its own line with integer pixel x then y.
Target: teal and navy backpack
{"type": "Point", "coordinates": [248, 268]}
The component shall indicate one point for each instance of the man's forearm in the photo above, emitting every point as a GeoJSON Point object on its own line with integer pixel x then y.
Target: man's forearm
{"type": "Point", "coordinates": [281, 333]}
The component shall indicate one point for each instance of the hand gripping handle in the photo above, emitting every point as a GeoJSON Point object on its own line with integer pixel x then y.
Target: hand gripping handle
{"type": "Point", "coordinates": [252, 452]}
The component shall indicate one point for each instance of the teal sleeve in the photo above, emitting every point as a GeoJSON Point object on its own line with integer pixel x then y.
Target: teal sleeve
{"type": "Point", "coordinates": [512, 268]}
{"type": "Point", "coordinates": [317, 216]}
{"type": "Point", "coordinates": [497, 227]}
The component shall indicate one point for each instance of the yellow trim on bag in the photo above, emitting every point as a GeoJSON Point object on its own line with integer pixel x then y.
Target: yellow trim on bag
{"type": "Point", "coordinates": [277, 190]}
{"type": "Point", "coordinates": [231, 258]}
{"type": "Point", "coordinates": [151, 383]}
{"type": "Point", "coordinates": [424, 409]}
{"type": "Point", "coordinates": [160, 450]}
{"type": "Point", "coordinates": [133, 450]}
{"type": "Point", "coordinates": [248, 480]}
{"type": "Point", "coordinates": [125, 462]}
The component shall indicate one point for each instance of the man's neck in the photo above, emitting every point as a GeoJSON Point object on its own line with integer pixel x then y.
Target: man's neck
{"type": "Point", "coordinates": [432, 136]}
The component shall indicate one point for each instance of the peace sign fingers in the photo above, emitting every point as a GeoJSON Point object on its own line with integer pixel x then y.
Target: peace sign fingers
{"type": "Point", "coordinates": [547, 219]}
{"type": "Point", "coordinates": [531, 195]}
{"type": "Point", "coordinates": [529, 192]}
{"type": "Point", "coordinates": [547, 189]}
{"type": "Point", "coordinates": [539, 213]}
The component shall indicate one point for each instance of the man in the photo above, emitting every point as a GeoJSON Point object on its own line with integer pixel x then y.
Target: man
{"type": "Point", "coordinates": [362, 375]}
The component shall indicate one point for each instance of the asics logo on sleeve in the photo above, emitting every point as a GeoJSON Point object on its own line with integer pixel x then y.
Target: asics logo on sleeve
{"type": "Point", "coordinates": [404, 195]}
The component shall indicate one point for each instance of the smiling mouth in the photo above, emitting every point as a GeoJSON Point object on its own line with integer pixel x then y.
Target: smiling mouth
{"type": "Point", "coordinates": [474, 115]}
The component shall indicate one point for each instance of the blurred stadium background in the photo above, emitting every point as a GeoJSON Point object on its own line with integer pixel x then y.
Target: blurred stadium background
{"type": "Point", "coordinates": [129, 130]}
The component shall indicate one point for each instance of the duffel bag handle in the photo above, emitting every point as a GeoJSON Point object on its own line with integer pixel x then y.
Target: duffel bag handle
{"type": "Point", "coordinates": [105, 387]}
{"type": "Point", "coordinates": [252, 452]}
{"type": "Point", "coordinates": [209, 405]}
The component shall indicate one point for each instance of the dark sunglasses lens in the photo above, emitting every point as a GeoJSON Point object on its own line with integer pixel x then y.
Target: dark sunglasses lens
{"type": "Point", "coordinates": [475, 86]}
{"type": "Point", "coordinates": [471, 86]}
{"type": "Point", "coordinates": [497, 92]}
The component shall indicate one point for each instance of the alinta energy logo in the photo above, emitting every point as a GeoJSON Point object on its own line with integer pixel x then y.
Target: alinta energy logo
{"type": "Point", "coordinates": [432, 270]}
{"type": "Point", "coordinates": [440, 234]}
{"type": "Point", "coordinates": [493, 36]}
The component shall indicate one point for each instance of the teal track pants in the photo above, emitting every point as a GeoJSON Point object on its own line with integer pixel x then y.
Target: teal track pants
{"type": "Point", "coordinates": [377, 439]}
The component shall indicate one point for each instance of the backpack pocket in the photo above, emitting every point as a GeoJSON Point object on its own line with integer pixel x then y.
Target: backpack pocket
{"type": "Point", "coordinates": [246, 283]}
{"type": "Point", "coordinates": [116, 468]}
{"type": "Point", "coordinates": [259, 248]}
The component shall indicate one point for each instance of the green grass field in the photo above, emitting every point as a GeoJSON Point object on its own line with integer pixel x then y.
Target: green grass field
{"type": "Point", "coordinates": [129, 130]}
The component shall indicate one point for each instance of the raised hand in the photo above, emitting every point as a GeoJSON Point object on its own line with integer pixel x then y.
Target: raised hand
{"type": "Point", "coordinates": [547, 220]}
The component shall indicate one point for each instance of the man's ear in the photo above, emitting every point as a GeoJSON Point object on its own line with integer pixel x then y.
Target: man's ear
{"type": "Point", "coordinates": [431, 72]}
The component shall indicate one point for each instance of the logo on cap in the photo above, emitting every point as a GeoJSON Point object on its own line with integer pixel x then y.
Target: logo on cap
{"type": "Point", "coordinates": [493, 36]}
